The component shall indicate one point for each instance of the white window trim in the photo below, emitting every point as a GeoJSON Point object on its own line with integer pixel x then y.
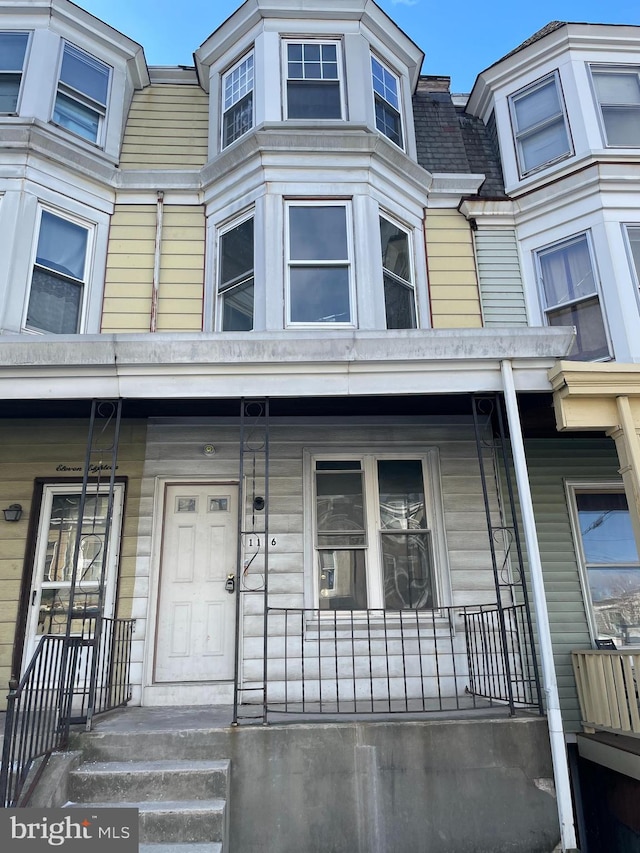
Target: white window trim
{"type": "Point", "coordinates": [223, 111]}
{"type": "Point", "coordinates": [430, 459]}
{"type": "Point", "coordinates": [220, 231]}
{"type": "Point", "coordinates": [101, 110]}
{"type": "Point", "coordinates": [22, 72]}
{"type": "Point", "coordinates": [573, 487]}
{"type": "Point", "coordinates": [285, 75]}
{"type": "Point", "coordinates": [349, 262]}
{"type": "Point", "coordinates": [88, 266]}
{"type": "Point", "coordinates": [607, 67]}
{"type": "Point", "coordinates": [545, 309]}
{"type": "Point", "coordinates": [400, 108]}
{"type": "Point", "coordinates": [516, 135]}
{"type": "Point", "coordinates": [383, 214]}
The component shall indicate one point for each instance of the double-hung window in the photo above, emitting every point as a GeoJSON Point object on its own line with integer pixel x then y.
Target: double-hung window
{"type": "Point", "coordinates": [235, 277]}
{"type": "Point", "coordinates": [570, 295]}
{"type": "Point", "coordinates": [611, 567]}
{"type": "Point", "coordinates": [373, 539]}
{"type": "Point", "coordinates": [58, 281]}
{"type": "Point", "coordinates": [399, 293]}
{"type": "Point", "coordinates": [633, 238]}
{"type": "Point", "coordinates": [237, 100]}
{"type": "Point", "coordinates": [81, 99]}
{"type": "Point", "coordinates": [618, 94]}
{"type": "Point", "coordinates": [313, 80]}
{"type": "Point", "coordinates": [386, 100]}
{"type": "Point", "coordinates": [13, 47]}
{"type": "Point", "coordinates": [540, 124]}
{"type": "Point", "coordinates": [319, 249]}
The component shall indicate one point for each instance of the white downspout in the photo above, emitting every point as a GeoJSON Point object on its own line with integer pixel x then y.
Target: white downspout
{"type": "Point", "coordinates": [554, 717]}
{"type": "Point", "coordinates": [153, 321]}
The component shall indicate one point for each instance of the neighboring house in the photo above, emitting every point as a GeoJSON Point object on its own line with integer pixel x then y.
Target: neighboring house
{"type": "Point", "coordinates": [300, 269]}
{"type": "Point", "coordinates": [565, 110]}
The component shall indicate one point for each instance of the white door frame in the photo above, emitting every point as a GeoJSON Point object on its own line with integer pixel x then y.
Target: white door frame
{"type": "Point", "coordinates": [149, 687]}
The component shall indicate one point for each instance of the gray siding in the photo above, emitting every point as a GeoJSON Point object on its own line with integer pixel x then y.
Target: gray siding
{"type": "Point", "coordinates": [499, 277]}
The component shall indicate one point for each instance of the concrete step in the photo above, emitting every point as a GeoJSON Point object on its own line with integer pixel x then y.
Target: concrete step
{"type": "Point", "coordinates": [168, 821]}
{"type": "Point", "coordinates": [214, 847]}
{"type": "Point", "coordinates": [197, 744]}
{"type": "Point", "coordinates": [149, 780]}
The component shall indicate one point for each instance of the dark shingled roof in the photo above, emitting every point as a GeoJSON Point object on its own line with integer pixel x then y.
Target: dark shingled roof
{"type": "Point", "coordinates": [551, 27]}
{"type": "Point", "coordinates": [448, 140]}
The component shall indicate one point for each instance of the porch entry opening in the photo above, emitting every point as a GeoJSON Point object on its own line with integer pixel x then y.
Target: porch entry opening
{"type": "Point", "coordinates": [196, 614]}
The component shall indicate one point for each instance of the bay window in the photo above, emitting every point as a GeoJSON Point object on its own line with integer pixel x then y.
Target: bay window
{"type": "Point", "coordinates": [58, 281]}
{"type": "Point", "coordinates": [399, 294]}
{"type": "Point", "coordinates": [386, 98]}
{"type": "Point", "coordinates": [13, 46]}
{"type": "Point", "coordinates": [540, 124]}
{"type": "Point", "coordinates": [237, 100]}
{"type": "Point", "coordinates": [618, 95]}
{"type": "Point", "coordinates": [235, 277]}
{"type": "Point", "coordinates": [313, 80]}
{"type": "Point", "coordinates": [319, 263]}
{"type": "Point", "coordinates": [373, 537]}
{"type": "Point", "coordinates": [81, 99]}
{"type": "Point", "coordinates": [570, 295]}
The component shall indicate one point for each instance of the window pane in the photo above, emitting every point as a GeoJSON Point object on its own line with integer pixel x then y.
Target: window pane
{"type": "Point", "coordinates": [388, 122]}
{"type": "Point", "coordinates": [61, 538]}
{"type": "Point", "coordinates": [615, 593]}
{"type": "Point", "coordinates": [567, 273]}
{"type": "Point", "coordinates": [399, 304]}
{"type": "Point", "coordinates": [238, 82]}
{"type": "Point", "coordinates": [318, 233]}
{"type": "Point", "coordinates": [343, 580]}
{"type": "Point", "coordinates": [401, 493]}
{"type": "Point", "coordinates": [54, 303]}
{"type": "Point", "coordinates": [309, 99]}
{"type": "Point", "coordinates": [605, 527]}
{"type": "Point", "coordinates": [319, 295]}
{"type": "Point", "coordinates": [591, 339]}
{"type": "Point", "coordinates": [85, 74]}
{"type": "Point", "coordinates": [238, 120]}
{"type": "Point", "coordinates": [633, 233]}
{"type": "Point", "coordinates": [54, 607]}
{"type": "Point", "coordinates": [395, 250]}
{"type": "Point", "coordinates": [12, 50]}
{"type": "Point", "coordinates": [236, 253]}
{"type": "Point", "coordinates": [237, 308]}
{"type": "Point", "coordinates": [537, 106]}
{"type": "Point", "coordinates": [76, 117]}
{"type": "Point", "coordinates": [543, 146]}
{"type": "Point", "coordinates": [622, 125]}
{"type": "Point", "coordinates": [9, 88]}
{"type": "Point", "coordinates": [339, 502]}
{"type": "Point", "coordinates": [621, 88]}
{"type": "Point", "coordinates": [407, 571]}
{"type": "Point", "coordinates": [62, 245]}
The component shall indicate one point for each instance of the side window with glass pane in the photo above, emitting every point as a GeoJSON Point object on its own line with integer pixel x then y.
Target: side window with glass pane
{"type": "Point", "coordinates": [319, 266]}
{"type": "Point", "coordinates": [618, 94]}
{"type": "Point", "coordinates": [611, 565]}
{"type": "Point", "coordinates": [237, 101]}
{"type": "Point", "coordinates": [570, 296]}
{"type": "Point", "coordinates": [59, 275]}
{"type": "Point", "coordinates": [313, 80]}
{"type": "Point", "coordinates": [386, 98]}
{"type": "Point", "coordinates": [235, 284]}
{"type": "Point", "coordinates": [13, 47]}
{"type": "Point", "coordinates": [399, 294]}
{"type": "Point", "coordinates": [633, 237]}
{"type": "Point", "coordinates": [540, 124]}
{"type": "Point", "coordinates": [81, 100]}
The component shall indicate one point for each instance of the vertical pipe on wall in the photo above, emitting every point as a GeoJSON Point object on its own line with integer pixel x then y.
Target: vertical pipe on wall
{"type": "Point", "coordinates": [554, 716]}
{"type": "Point", "coordinates": [153, 323]}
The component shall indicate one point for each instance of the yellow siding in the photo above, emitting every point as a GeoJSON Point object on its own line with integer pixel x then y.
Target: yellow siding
{"type": "Point", "coordinates": [130, 264]}
{"type": "Point", "coordinates": [30, 449]}
{"type": "Point", "coordinates": [167, 128]}
{"type": "Point", "coordinates": [453, 283]}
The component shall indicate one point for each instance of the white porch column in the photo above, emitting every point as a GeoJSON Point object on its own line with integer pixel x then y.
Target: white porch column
{"type": "Point", "coordinates": [554, 717]}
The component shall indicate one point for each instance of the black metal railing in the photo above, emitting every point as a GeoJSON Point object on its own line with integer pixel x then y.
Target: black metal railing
{"type": "Point", "coordinates": [57, 690]}
{"type": "Point", "coordinates": [410, 661]}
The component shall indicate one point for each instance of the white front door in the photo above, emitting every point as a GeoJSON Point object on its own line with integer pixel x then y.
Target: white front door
{"type": "Point", "coordinates": [196, 614]}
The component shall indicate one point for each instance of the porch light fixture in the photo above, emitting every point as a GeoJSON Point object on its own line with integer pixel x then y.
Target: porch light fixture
{"type": "Point", "coordinates": [13, 512]}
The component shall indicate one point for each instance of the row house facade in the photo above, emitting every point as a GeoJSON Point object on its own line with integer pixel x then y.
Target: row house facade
{"type": "Point", "coordinates": [331, 332]}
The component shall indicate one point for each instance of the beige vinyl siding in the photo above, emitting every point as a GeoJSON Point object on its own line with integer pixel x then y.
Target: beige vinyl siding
{"type": "Point", "coordinates": [499, 277]}
{"type": "Point", "coordinates": [451, 267]}
{"type": "Point", "coordinates": [30, 449]}
{"type": "Point", "coordinates": [551, 463]}
{"type": "Point", "coordinates": [167, 128]}
{"type": "Point", "coordinates": [175, 450]}
{"type": "Point", "coordinates": [130, 266]}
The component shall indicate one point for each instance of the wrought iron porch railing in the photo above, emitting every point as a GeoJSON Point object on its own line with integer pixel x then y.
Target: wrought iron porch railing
{"type": "Point", "coordinates": [410, 661]}
{"type": "Point", "coordinates": [69, 680]}
{"type": "Point", "coordinates": [607, 683]}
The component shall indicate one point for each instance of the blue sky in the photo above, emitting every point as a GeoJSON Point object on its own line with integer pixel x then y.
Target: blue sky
{"type": "Point", "coordinates": [459, 40]}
